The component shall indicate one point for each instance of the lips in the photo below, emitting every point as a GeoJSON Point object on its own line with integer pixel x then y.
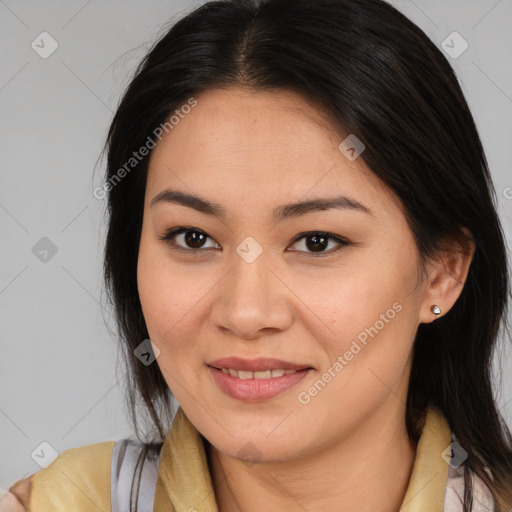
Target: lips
{"type": "Point", "coordinates": [255, 365]}
{"type": "Point", "coordinates": [256, 387]}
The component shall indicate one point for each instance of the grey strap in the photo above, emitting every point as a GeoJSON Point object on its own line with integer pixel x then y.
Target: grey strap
{"type": "Point", "coordinates": [133, 475]}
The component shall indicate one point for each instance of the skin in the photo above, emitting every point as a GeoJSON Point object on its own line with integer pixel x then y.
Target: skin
{"type": "Point", "coordinates": [251, 151]}
{"type": "Point", "coordinates": [16, 499]}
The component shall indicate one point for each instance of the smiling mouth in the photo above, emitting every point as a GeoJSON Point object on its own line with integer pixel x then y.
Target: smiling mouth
{"type": "Point", "coordinates": [264, 374]}
{"type": "Point", "coordinates": [255, 386]}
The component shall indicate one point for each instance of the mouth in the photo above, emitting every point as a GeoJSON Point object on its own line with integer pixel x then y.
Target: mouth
{"type": "Point", "coordinates": [257, 379]}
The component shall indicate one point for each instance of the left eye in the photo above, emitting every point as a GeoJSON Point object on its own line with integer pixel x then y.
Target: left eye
{"type": "Point", "coordinates": [315, 241]}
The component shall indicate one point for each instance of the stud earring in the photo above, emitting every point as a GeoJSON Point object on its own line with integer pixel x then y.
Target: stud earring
{"type": "Point", "coordinates": [436, 310]}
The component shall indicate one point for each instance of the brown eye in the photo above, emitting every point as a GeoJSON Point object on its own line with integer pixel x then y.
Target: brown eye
{"type": "Point", "coordinates": [190, 239]}
{"type": "Point", "coordinates": [194, 239]}
{"type": "Point", "coordinates": [317, 242]}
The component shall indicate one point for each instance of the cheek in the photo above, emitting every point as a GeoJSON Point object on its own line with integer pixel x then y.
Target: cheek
{"type": "Point", "coordinates": [368, 317]}
{"type": "Point", "coordinates": [368, 345]}
{"type": "Point", "coordinates": [165, 293]}
{"type": "Point", "coordinates": [152, 286]}
{"type": "Point", "coordinates": [354, 298]}
{"type": "Point", "coordinates": [166, 305]}
{"type": "Point", "coordinates": [172, 300]}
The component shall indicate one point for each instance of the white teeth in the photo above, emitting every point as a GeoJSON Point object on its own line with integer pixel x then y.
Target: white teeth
{"type": "Point", "coordinates": [263, 375]}
{"type": "Point", "coordinates": [266, 374]}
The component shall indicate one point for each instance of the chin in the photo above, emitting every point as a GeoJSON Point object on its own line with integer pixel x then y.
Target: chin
{"type": "Point", "coordinates": [256, 449]}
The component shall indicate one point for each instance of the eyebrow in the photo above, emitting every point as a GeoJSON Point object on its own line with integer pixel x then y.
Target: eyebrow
{"type": "Point", "coordinates": [280, 213]}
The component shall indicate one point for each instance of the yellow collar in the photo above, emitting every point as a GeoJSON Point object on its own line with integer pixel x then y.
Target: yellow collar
{"type": "Point", "coordinates": [184, 482]}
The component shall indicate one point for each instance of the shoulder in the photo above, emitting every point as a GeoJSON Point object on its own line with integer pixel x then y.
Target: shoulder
{"type": "Point", "coordinates": [78, 479]}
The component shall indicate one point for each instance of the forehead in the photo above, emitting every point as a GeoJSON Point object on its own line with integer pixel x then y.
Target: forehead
{"type": "Point", "coordinates": [264, 146]}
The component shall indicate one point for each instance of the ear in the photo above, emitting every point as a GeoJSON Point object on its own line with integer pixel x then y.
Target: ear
{"type": "Point", "coordinates": [446, 276]}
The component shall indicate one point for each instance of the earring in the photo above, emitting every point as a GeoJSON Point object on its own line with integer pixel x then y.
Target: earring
{"type": "Point", "coordinates": [435, 309]}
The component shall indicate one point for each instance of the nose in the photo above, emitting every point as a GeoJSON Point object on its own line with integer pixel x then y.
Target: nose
{"type": "Point", "coordinates": [252, 300]}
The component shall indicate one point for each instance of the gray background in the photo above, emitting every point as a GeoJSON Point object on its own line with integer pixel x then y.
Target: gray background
{"type": "Point", "coordinates": [58, 360]}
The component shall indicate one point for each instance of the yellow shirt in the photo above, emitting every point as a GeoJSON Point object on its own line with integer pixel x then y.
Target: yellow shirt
{"type": "Point", "coordinates": [79, 478]}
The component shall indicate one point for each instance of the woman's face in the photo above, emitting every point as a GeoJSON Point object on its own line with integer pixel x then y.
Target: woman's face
{"type": "Point", "coordinates": [260, 281]}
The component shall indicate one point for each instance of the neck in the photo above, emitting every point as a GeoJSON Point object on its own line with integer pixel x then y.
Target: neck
{"type": "Point", "coordinates": [367, 471]}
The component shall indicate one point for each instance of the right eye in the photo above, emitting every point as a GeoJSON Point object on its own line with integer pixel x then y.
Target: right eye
{"type": "Point", "coordinates": [194, 237]}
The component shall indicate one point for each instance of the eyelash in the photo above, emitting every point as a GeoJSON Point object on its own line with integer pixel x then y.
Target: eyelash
{"type": "Point", "coordinates": [170, 235]}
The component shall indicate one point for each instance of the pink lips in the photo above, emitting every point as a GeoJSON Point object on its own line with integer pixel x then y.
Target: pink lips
{"type": "Point", "coordinates": [255, 389]}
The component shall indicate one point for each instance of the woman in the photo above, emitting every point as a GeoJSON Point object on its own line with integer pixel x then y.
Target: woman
{"type": "Point", "coordinates": [303, 223]}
